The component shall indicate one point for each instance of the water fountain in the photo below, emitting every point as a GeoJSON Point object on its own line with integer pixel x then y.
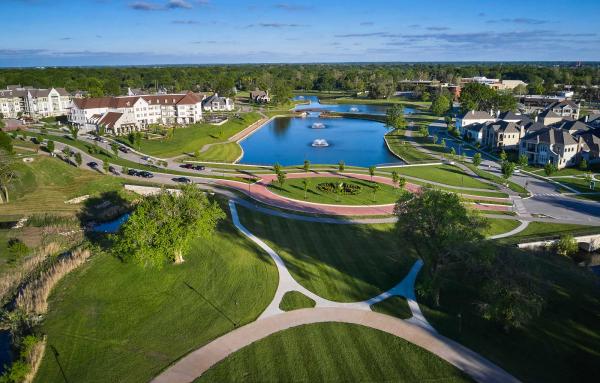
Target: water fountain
{"type": "Point", "coordinates": [320, 143]}
{"type": "Point", "coordinates": [318, 125]}
{"type": "Point", "coordinates": [354, 109]}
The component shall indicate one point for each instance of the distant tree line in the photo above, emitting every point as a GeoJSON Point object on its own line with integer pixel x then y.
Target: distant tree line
{"type": "Point", "coordinates": [381, 79]}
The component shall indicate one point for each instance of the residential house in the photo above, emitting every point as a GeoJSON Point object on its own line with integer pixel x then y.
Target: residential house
{"type": "Point", "coordinates": [552, 145]}
{"type": "Point", "coordinates": [503, 134]}
{"type": "Point", "coordinates": [590, 146]}
{"type": "Point", "coordinates": [472, 117]}
{"type": "Point", "coordinates": [18, 101]}
{"type": "Point", "coordinates": [260, 96]}
{"type": "Point", "coordinates": [566, 109]}
{"type": "Point", "coordinates": [136, 112]}
{"type": "Point", "coordinates": [548, 117]}
{"type": "Point", "coordinates": [593, 120]}
{"type": "Point", "coordinates": [215, 103]}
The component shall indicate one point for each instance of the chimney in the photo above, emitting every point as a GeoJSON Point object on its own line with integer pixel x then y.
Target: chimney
{"type": "Point", "coordinates": [587, 118]}
{"type": "Point", "coordinates": [535, 119]}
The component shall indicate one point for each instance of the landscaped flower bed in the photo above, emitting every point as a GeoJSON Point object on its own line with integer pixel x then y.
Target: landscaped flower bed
{"type": "Point", "coordinates": [332, 187]}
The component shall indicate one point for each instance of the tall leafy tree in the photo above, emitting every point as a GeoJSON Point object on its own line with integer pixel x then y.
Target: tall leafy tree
{"type": "Point", "coordinates": [162, 227]}
{"type": "Point", "coordinates": [440, 105]}
{"type": "Point", "coordinates": [394, 118]}
{"type": "Point", "coordinates": [441, 230]}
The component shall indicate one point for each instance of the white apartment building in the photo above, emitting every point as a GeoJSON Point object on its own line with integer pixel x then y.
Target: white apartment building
{"type": "Point", "coordinates": [18, 101]}
{"type": "Point", "coordinates": [130, 113]}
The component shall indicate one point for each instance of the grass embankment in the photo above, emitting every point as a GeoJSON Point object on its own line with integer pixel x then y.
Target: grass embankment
{"type": "Point", "coordinates": [345, 263]}
{"type": "Point", "coordinates": [398, 145]}
{"type": "Point", "coordinates": [444, 174]}
{"type": "Point", "coordinates": [560, 345]}
{"type": "Point", "coordinates": [500, 226]}
{"type": "Point", "coordinates": [293, 188]}
{"type": "Point", "coordinates": [114, 321]}
{"type": "Point", "coordinates": [227, 152]}
{"type": "Point", "coordinates": [332, 352]}
{"type": "Point", "coordinates": [498, 180]}
{"type": "Point", "coordinates": [44, 185]}
{"type": "Point", "coordinates": [537, 231]}
{"type": "Point", "coordinates": [194, 137]}
{"type": "Point", "coordinates": [294, 300]}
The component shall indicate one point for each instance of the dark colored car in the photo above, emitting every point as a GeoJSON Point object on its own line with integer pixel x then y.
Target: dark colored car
{"type": "Point", "coordinates": [199, 167]}
{"type": "Point", "coordinates": [92, 164]}
{"type": "Point", "coordinates": [132, 172]}
{"type": "Point", "coordinates": [124, 149]}
{"type": "Point", "coordinates": [187, 166]}
{"type": "Point", "coordinates": [183, 180]}
{"type": "Point", "coordinates": [145, 174]}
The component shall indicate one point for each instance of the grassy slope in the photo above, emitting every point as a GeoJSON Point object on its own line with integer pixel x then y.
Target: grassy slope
{"type": "Point", "coordinates": [227, 152]}
{"type": "Point", "coordinates": [189, 139]}
{"type": "Point", "coordinates": [43, 185]}
{"type": "Point", "coordinates": [406, 151]}
{"type": "Point", "coordinates": [545, 230]}
{"type": "Point", "coordinates": [293, 188]}
{"type": "Point", "coordinates": [332, 352]}
{"type": "Point", "coordinates": [294, 300]}
{"type": "Point", "coordinates": [561, 345]}
{"type": "Point", "coordinates": [112, 322]}
{"type": "Point", "coordinates": [499, 226]}
{"type": "Point", "coordinates": [339, 262]}
{"type": "Point", "coordinates": [445, 174]}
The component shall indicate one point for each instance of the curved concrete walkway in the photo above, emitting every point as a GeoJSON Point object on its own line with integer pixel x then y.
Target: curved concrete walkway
{"type": "Point", "coordinates": [415, 330]}
{"type": "Point", "coordinates": [516, 230]}
{"type": "Point", "coordinates": [196, 363]}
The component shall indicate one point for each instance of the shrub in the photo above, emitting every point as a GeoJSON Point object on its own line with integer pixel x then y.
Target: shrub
{"type": "Point", "coordinates": [566, 246]}
{"type": "Point", "coordinates": [17, 248]}
{"type": "Point", "coordinates": [347, 189]}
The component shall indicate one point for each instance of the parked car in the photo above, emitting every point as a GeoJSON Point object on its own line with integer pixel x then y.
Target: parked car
{"type": "Point", "coordinates": [199, 167]}
{"type": "Point", "coordinates": [145, 174]}
{"type": "Point", "coordinates": [92, 164]}
{"type": "Point", "coordinates": [146, 158]}
{"type": "Point", "coordinates": [132, 172]}
{"type": "Point", "coordinates": [113, 170]}
{"type": "Point", "coordinates": [183, 180]}
{"type": "Point", "coordinates": [187, 166]}
{"type": "Point", "coordinates": [124, 149]}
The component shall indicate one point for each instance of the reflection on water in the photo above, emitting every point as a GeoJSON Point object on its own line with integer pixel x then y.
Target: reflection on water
{"type": "Point", "coordinates": [343, 108]}
{"type": "Point", "coordinates": [288, 141]}
{"type": "Point", "coordinates": [281, 126]}
{"type": "Point", "coordinates": [111, 226]}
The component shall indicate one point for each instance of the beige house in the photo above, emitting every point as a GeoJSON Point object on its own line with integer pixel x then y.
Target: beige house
{"type": "Point", "coordinates": [552, 145]}
{"type": "Point", "coordinates": [16, 101]}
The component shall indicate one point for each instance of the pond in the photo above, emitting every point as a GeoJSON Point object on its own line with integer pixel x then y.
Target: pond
{"type": "Point", "coordinates": [6, 356]}
{"type": "Point", "coordinates": [291, 140]}
{"type": "Point", "coordinates": [315, 105]}
{"type": "Point", "coordinates": [111, 227]}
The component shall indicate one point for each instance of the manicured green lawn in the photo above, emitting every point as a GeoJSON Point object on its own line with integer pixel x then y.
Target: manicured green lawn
{"type": "Point", "coordinates": [294, 300]}
{"type": "Point", "coordinates": [293, 188]}
{"type": "Point", "coordinates": [579, 184]}
{"type": "Point", "coordinates": [499, 180]}
{"type": "Point", "coordinates": [193, 137]}
{"type": "Point", "coordinates": [406, 151]}
{"type": "Point", "coordinates": [227, 152]}
{"type": "Point", "coordinates": [561, 345]}
{"type": "Point", "coordinates": [545, 230]}
{"type": "Point", "coordinates": [500, 226]}
{"type": "Point", "coordinates": [345, 263]}
{"type": "Point", "coordinates": [115, 322]}
{"type": "Point", "coordinates": [45, 184]}
{"type": "Point", "coordinates": [332, 352]}
{"type": "Point", "coordinates": [445, 174]}
{"type": "Point", "coordinates": [395, 306]}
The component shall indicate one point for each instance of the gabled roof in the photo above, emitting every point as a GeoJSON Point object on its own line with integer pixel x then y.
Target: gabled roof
{"type": "Point", "coordinates": [476, 115]}
{"type": "Point", "coordinates": [505, 127]}
{"type": "Point", "coordinates": [591, 141]}
{"type": "Point", "coordinates": [551, 136]}
{"type": "Point", "coordinates": [572, 126]}
{"type": "Point", "coordinates": [563, 104]}
{"type": "Point", "coordinates": [511, 116]}
{"type": "Point", "coordinates": [548, 113]}
{"type": "Point", "coordinates": [110, 119]}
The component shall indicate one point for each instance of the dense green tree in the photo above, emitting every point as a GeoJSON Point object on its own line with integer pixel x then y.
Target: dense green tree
{"type": "Point", "coordinates": [508, 168]}
{"type": "Point", "coordinates": [440, 229]}
{"type": "Point", "coordinates": [477, 159]}
{"type": "Point", "coordinates": [549, 169]}
{"type": "Point", "coordinates": [440, 105]}
{"type": "Point", "coordinates": [523, 160]}
{"type": "Point", "coordinates": [394, 118]}
{"type": "Point", "coordinates": [161, 228]}
{"type": "Point", "coordinates": [6, 146]}
{"type": "Point", "coordinates": [341, 166]}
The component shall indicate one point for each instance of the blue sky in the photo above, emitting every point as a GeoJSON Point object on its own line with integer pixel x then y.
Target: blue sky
{"type": "Point", "coordinates": [122, 32]}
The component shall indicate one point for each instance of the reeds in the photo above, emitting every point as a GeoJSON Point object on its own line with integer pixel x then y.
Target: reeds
{"type": "Point", "coordinates": [33, 298]}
